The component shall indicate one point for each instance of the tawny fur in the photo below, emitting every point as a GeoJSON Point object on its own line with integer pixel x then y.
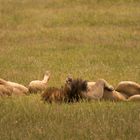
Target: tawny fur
{"type": "Point", "coordinates": [113, 96]}
{"type": "Point", "coordinates": [102, 90]}
{"type": "Point", "coordinates": [134, 98]}
{"type": "Point", "coordinates": [76, 90]}
{"type": "Point", "coordinates": [11, 88]}
{"type": "Point", "coordinates": [125, 91]}
{"type": "Point", "coordinates": [99, 90]}
{"type": "Point", "coordinates": [128, 88]}
{"type": "Point", "coordinates": [53, 94]}
{"type": "Point", "coordinates": [39, 85]}
{"type": "Point", "coordinates": [72, 91]}
{"type": "Point", "coordinates": [5, 90]}
{"type": "Point", "coordinates": [96, 89]}
{"type": "Point", "coordinates": [18, 89]}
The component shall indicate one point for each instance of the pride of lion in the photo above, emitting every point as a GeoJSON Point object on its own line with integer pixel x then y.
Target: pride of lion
{"type": "Point", "coordinates": [73, 90]}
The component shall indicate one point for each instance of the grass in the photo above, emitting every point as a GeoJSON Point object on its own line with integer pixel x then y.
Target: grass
{"type": "Point", "coordinates": [32, 119]}
{"type": "Point", "coordinates": [90, 39]}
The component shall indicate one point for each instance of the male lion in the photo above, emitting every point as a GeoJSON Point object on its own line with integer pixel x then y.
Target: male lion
{"type": "Point", "coordinates": [71, 92]}
{"type": "Point", "coordinates": [75, 90]}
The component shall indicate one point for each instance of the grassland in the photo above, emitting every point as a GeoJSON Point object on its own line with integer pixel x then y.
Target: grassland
{"type": "Point", "coordinates": [90, 39]}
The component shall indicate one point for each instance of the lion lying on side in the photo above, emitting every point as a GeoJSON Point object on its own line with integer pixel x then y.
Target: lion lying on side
{"type": "Point", "coordinates": [8, 88]}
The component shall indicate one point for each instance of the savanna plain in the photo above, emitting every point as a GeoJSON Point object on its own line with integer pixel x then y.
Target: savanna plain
{"type": "Point", "coordinates": [90, 39]}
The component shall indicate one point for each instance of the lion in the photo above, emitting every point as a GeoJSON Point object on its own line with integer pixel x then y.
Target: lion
{"type": "Point", "coordinates": [38, 86]}
{"type": "Point", "coordinates": [75, 90]}
{"type": "Point", "coordinates": [125, 91]}
{"type": "Point", "coordinates": [72, 91]}
{"type": "Point", "coordinates": [8, 88]}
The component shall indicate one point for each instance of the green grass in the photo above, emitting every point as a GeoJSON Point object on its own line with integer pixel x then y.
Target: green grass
{"type": "Point", "coordinates": [29, 118]}
{"type": "Point", "coordinates": [90, 39]}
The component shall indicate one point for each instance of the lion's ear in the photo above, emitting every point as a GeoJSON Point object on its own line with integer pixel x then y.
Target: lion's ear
{"type": "Point", "coordinates": [2, 81]}
{"type": "Point", "coordinates": [69, 79]}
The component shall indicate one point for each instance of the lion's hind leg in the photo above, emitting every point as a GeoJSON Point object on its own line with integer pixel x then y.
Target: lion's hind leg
{"type": "Point", "coordinates": [134, 98]}
{"type": "Point", "coordinates": [129, 88]}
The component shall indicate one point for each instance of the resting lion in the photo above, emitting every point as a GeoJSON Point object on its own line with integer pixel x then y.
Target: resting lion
{"type": "Point", "coordinates": [125, 91]}
{"type": "Point", "coordinates": [78, 89]}
{"type": "Point", "coordinates": [8, 88]}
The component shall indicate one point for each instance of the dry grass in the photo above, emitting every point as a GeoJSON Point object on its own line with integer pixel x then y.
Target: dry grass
{"type": "Point", "coordinates": [29, 118]}
{"type": "Point", "coordinates": [89, 39]}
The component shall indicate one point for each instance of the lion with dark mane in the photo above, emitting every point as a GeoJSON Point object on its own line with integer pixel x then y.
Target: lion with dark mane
{"type": "Point", "coordinates": [72, 91]}
{"type": "Point", "coordinates": [75, 90]}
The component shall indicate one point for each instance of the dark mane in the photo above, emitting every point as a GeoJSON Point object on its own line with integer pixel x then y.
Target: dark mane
{"type": "Point", "coordinates": [72, 91]}
{"type": "Point", "coordinates": [77, 87]}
